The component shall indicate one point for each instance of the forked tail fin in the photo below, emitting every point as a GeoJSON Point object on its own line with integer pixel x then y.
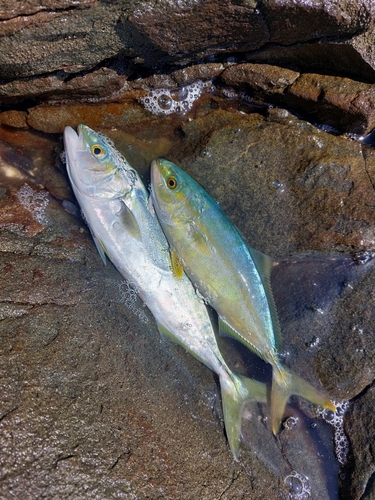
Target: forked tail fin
{"type": "Point", "coordinates": [235, 391]}
{"type": "Point", "coordinates": [285, 384]}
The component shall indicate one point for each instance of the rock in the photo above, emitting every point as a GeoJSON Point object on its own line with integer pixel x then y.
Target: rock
{"type": "Point", "coordinates": [186, 30]}
{"type": "Point", "coordinates": [71, 40]}
{"type": "Point", "coordinates": [290, 22]}
{"type": "Point", "coordinates": [343, 104]}
{"type": "Point", "coordinates": [13, 118]}
{"type": "Point", "coordinates": [93, 85]}
{"type": "Point", "coordinates": [85, 410]}
{"type": "Point", "coordinates": [340, 103]}
{"type": "Point", "coordinates": [82, 396]}
{"type": "Point", "coordinates": [262, 79]}
{"type": "Point", "coordinates": [53, 119]}
{"type": "Point", "coordinates": [358, 480]}
{"type": "Point", "coordinates": [350, 58]}
{"type": "Point", "coordinates": [32, 7]}
{"type": "Point", "coordinates": [292, 170]}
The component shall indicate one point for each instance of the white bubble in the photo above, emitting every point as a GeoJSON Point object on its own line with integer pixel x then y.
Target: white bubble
{"type": "Point", "coordinates": [298, 486]}
{"type": "Point", "coordinates": [129, 295]}
{"type": "Point", "coordinates": [337, 421]}
{"type": "Point", "coordinates": [166, 101]}
{"type": "Point", "coordinates": [290, 423]}
{"type": "Point", "coordinates": [35, 202]}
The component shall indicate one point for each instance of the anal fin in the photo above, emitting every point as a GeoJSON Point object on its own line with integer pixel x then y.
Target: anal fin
{"type": "Point", "coordinates": [100, 248]}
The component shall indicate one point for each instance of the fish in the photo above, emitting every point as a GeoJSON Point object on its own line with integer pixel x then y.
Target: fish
{"type": "Point", "coordinates": [233, 278]}
{"type": "Point", "coordinates": [116, 207]}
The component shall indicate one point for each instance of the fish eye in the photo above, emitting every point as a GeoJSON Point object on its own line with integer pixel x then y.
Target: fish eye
{"type": "Point", "coordinates": [98, 151]}
{"type": "Point", "coordinates": [171, 182]}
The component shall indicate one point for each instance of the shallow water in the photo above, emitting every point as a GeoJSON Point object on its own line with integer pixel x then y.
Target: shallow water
{"type": "Point", "coordinates": [303, 456]}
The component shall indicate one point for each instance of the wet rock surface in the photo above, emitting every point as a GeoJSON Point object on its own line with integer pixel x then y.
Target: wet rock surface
{"type": "Point", "coordinates": [85, 411]}
{"type": "Point", "coordinates": [81, 392]}
{"type": "Point", "coordinates": [95, 404]}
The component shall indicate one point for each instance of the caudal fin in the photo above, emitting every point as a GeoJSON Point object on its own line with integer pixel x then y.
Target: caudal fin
{"type": "Point", "coordinates": [285, 384]}
{"type": "Point", "coordinates": [235, 391]}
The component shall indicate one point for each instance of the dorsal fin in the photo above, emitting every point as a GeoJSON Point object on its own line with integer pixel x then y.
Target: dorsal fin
{"type": "Point", "coordinates": [264, 265]}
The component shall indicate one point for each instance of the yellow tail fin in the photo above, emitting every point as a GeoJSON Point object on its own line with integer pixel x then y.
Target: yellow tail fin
{"type": "Point", "coordinates": [286, 383]}
{"type": "Point", "coordinates": [235, 391]}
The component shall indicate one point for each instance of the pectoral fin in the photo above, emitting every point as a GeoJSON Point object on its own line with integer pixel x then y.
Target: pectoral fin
{"type": "Point", "coordinates": [176, 263]}
{"type": "Point", "coordinates": [129, 221]}
{"type": "Point", "coordinates": [199, 240]}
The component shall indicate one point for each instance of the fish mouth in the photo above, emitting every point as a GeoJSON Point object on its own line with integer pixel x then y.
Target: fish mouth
{"type": "Point", "coordinates": [156, 178]}
{"type": "Point", "coordinates": [156, 182]}
{"type": "Point", "coordinates": [73, 144]}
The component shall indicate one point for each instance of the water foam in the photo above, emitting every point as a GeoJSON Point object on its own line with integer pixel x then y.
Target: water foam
{"type": "Point", "coordinates": [298, 486]}
{"type": "Point", "coordinates": [337, 421]}
{"type": "Point", "coordinates": [35, 202]}
{"type": "Point", "coordinates": [168, 101]}
{"type": "Point", "coordinates": [129, 296]}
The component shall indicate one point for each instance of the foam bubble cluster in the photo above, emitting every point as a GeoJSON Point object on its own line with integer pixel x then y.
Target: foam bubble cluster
{"type": "Point", "coordinates": [168, 101]}
{"type": "Point", "coordinates": [129, 295]}
{"type": "Point", "coordinates": [34, 201]}
{"type": "Point", "coordinates": [298, 486]}
{"type": "Point", "coordinates": [337, 421]}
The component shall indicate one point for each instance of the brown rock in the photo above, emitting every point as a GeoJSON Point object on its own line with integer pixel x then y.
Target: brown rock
{"type": "Point", "coordinates": [341, 103]}
{"type": "Point", "coordinates": [30, 7]}
{"type": "Point", "coordinates": [11, 26]}
{"type": "Point", "coordinates": [196, 72]}
{"type": "Point", "coordinates": [290, 21]}
{"type": "Point", "coordinates": [72, 41]}
{"type": "Point", "coordinates": [53, 119]}
{"type": "Point", "coordinates": [203, 28]}
{"type": "Point", "coordinates": [261, 78]}
{"type": "Point", "coordinates": [15, 216]}
{"type": "Point", "coordinates": [344, 104]}
{"type": "Point", "coordinates": [71, 392]}
{"type": "Point", "coordinates": [326, 57]}
{"type": "Point", "coordinates": [98, 84]}
{"type": "Point", "coordinates": [13, 118]}
{"type": "Point", "coordinates": [360, 425]}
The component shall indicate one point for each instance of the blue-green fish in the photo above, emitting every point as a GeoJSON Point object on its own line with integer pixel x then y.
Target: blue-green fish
{"type": "Point", "coordinates": [232, 278]}
{"type": "Point", "coordinates": [124, 226]}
